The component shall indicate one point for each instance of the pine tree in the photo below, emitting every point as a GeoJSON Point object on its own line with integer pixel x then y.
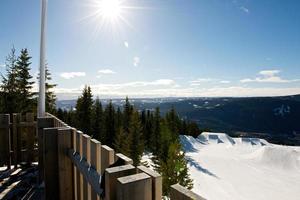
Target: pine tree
{"type": "Point", "coordinates": [98, 119]}
{"type": "Point", "coordinates": [156, 135]}
{"type": "Point", "coordinates": [9, 84]}
{"type": "Point", "coordinates": [173, 122]}
{"type": "Point", "coordinates": [148, 129]}
{"type": "Point", "coordinates": [119, 119]}
{"type": "Point", "coordinates": [127, 115]}
{"type": "Point", "coordinates": [136, 134]}
{"type": "Point", "coordinates": [50, 96]}
{"type": "Point", "coordinates": [84, 111]}
{"type": "Point", "coordinates": [24, 82]}
{"type": "Point", "coordinates": [109, 125]}
{"type": "Point", "coordinates": [122, 142]}
{"type": "Point", "coordinates": [174, 169]}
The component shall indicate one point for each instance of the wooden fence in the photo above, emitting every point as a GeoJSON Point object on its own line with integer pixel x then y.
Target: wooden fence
{"type": "Point", "coordinates": [18, 141]}
{"type": "Point", "coordinates": [72, 165]}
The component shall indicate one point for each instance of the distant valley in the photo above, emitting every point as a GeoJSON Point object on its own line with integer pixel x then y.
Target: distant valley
{"type": "Point", "coordinates": [276, 119]}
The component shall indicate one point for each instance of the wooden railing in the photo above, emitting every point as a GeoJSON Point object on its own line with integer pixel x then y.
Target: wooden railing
{"type": "Point", "coordinates": [18, 141]}
{"type": "Point", "coordinates": [72, 165]}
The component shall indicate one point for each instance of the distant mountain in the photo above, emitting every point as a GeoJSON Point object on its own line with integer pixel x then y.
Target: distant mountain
{"type": "Point", "coordinates": [273, 118]}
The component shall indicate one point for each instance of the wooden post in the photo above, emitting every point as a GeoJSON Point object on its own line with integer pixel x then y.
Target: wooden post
{"type": "Point", "coordinates": [51, 164]}
{"type": "Point", "coordinates": [111, 175]}
{"type": "Point", "coordinates": [107, 157]}
{"type": "Point", "coordinates": [16, 119]}
{"type": "Point", "coordinates": [74, 140]}
{"type": "Point", "coordinates": [179, 192]}
{"type": "Point", "coordinates": [86, 150]}
{"type": "Point", "coordinates": [5, 140]}
{"type": "Point", "coordinates": [42, 123]}
{"type": "Point", "coordinates": [134, 187]}
{"type": "Point", "coordinates": [79, 176]}
{"type": "Point", "coordinates": [156, 181]}
{"type": "Point", "coordinates": [96, 161]}
{"type": "Point", "coordinates": [65, 166]}
{"type": "Point", "coordinates": [30, 138]}
{"type": "Point", "coordinates": [124, 158]}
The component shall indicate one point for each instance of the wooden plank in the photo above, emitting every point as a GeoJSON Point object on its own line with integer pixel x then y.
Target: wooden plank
{"type": "Point", "coordinates": [4, 194]}
{"type": "Point", "coordinates": [16, 119]}
{"type": "Point", "coordinates": [51, 163]}
{"type": "Point", "coordinates": [179, 192]}
{"type": "Point", "coordinates": [74, 137]}
{"type": "Point", "coordinates": [86, 154]}
{"type": "Point", "coordinates": [111, 176]}
{"type": "Point", "coordinates": [65, 166]}
{"type": "Point", "coordinates": [156, 181]}
{"type": "Point", "coordinates": [42, 122]}
{"type": "Point", "coordinates": [134, 187]}
{"type": "Point", "coordinates": [89, 174]}
{"type": "Point", "coordinates": [30, 138]}
{"type": "Point", "coordinates": [107, 157]}
{"type": "Point", "coordinates": [78, 174]}
{"type": "Point", "coordinates": [95, 162]}
{"type": "Point", "coordinates": [5, 141]}
{"type": "Point", "coordinates": [126, 160]}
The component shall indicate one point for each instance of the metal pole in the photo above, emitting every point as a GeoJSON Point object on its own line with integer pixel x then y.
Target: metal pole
{"type": "Point", "coordinates": [41, 99]}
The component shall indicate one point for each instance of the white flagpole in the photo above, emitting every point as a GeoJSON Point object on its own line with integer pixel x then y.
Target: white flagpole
{"type": "Point", "coordinates": [42, 98]}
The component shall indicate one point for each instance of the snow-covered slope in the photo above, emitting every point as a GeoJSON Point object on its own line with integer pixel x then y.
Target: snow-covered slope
{"type": "Point", "coordinates": [242, 168]}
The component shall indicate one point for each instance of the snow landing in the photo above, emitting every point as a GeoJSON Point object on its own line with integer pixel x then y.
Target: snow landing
{"type": "Point", "coordinates": [242, 168]}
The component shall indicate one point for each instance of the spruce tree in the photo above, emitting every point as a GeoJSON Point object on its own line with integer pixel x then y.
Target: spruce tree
{"type": "Point", "coordinates": [24, 82]}
{"type": "Point", "coordinates": [109, 125]}
{"type": "Point", "coordinates": [136, 135]}
{"type": "Point", "coordinates": [122, 142]}
{"type": "Point", "coordinates": [127, 115]}
{"type": "Point", "coordinates": [156, 135]}
{"type": "Point", "coordinates": [174, 169]}
{"type": "Point", "coordinates": [84, 111]}
{"type": "Point", "coordinates": [9, 84]}
{"type": "Point", "coordinates": [98, 119]}
{"type": "Point", "coordinates": [50, 96]}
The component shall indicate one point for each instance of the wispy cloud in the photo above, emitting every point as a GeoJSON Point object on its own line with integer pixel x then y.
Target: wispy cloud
{"type": "Point", "coordinates": [122, 90]}
{"type": "Point", "coordinates": [198, 81]}
{"type": "Point", "coordinates": [126, 44]}
{"type": "Point", "coordinates": [2, 65]}
{"type": "Point", "coordinates": [225, 82]}
{"type": "Point", "coordinates": [268, 76]}
{"type": "Point", "coordinates": [105, 72]}
{"type": "Point", "coordinates": [69, 75]}
{"type": "Point", "coordinates": [244, 9]}
{"type": "Point", "coordinates": [136, 61]}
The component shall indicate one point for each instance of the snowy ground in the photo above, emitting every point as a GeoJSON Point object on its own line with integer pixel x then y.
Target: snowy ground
{"type": "Point", "coordinates": [242, 169]}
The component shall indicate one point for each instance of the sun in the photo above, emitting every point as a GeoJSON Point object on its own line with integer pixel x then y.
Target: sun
{"type": "Point", "coordinates": [110, 9]}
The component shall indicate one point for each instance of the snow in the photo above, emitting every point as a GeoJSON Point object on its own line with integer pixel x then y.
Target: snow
{"type": "Point", "coordinates": [242, 168]}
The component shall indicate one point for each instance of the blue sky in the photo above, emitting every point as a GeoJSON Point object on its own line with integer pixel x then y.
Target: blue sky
{"type": "Point", "coordinates": [162, 48]}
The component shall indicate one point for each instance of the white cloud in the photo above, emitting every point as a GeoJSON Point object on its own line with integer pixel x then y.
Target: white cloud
{"type": "Point", "coordinates": [126, 44]}
{"type": "Point", "coordinates": [69, 75]}
{"type": "Point", "coordinates": [244, 9]}
{"type": "Point", "coordinates": [106, 71]}
{"type": "Point", "coordinates": [2, 65]}
{"type": "Point", "coordinates": [136, 61]}
{"type": "Point", "coordinates": [118, 90]}
{"type": "Point", "coordinates": [198, 81]}
{"type": "Point", "coordinates": [225, 82]}
{"type": "Point", "coordinates": [268, 76]}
